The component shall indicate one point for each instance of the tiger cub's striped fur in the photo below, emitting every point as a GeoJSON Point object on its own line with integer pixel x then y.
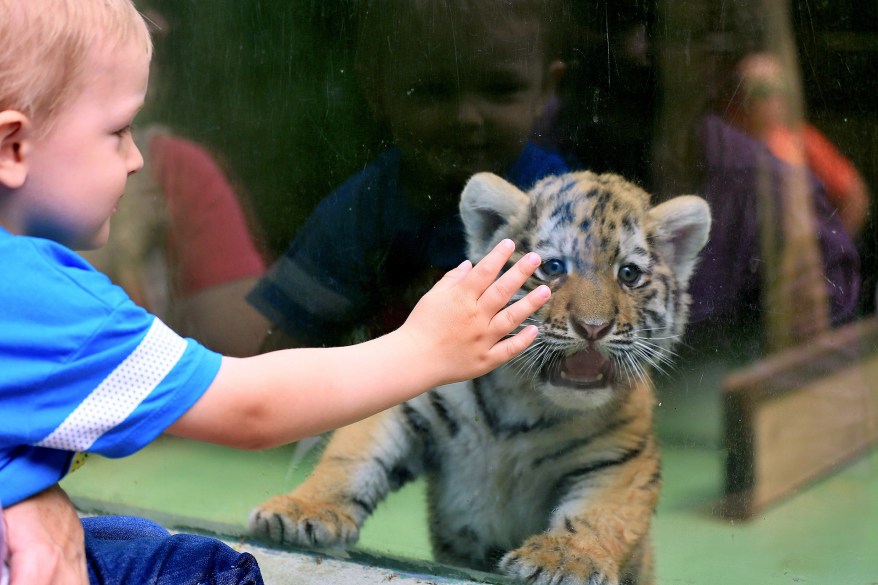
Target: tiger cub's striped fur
{"type": "Point", "coordinates": [547, 467]}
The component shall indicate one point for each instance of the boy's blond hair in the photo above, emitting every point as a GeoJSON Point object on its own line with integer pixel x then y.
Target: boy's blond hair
{"type": "Point", "coordinates": [44, 45]}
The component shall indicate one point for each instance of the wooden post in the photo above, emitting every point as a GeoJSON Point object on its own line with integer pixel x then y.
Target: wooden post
{"type": "Point", "coordinates": [798, 415]}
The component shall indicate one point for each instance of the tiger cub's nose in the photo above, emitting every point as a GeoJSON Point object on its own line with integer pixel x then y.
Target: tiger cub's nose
{"type": "Point", "coordinates": [593, 329]}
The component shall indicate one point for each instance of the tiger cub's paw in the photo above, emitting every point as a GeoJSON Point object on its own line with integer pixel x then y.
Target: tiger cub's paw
{"type": "Point", "coordinates": [560, 560]}
{"type": "Point", "coordinates": [290, 520]}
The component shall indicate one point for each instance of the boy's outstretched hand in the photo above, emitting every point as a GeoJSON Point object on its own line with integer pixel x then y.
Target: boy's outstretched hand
{"type": "Point", "coordinates": [460, 329]}
{"type": "Point", "coordinates": [464, 322]}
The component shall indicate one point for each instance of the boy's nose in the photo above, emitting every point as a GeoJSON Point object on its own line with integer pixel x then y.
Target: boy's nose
{"type": "Point", "coordinates": [469, 112]}
{"type": "Point", "coordinates": [135, 159]}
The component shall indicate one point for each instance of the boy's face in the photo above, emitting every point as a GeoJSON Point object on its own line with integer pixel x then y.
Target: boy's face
{"type": "Point", "coordinates": [464, 100]}
{"type": "Point", "coordinates": [77, 171]}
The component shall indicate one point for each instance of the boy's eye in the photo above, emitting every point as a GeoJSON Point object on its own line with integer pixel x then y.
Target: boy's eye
{"type": "Point", "coordinates": [123, 131]}
{"type": "Point", "coordinates": [502, 85]}
{"type": "Point", "coordinates": [430, 90]}
{"type": "Point", "coordinates": [503, 90]}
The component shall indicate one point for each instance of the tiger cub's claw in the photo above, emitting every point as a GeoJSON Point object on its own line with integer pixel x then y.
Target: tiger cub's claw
{"type": "Point", "coordinates": [288, 520]}
{"type": "Point", "coordinates": [561, 560]}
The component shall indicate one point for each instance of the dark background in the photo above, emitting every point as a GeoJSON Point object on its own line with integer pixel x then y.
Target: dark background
{"type": "Point", "coordinates": [269, 86]}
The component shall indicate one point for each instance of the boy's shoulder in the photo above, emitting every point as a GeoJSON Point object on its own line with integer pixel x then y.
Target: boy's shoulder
{"type": "Point", "coordinates": [38, 256]}
{"type": "Point", "coordinates": [380, 178]}
{"type": "Point", "coordinates": [25, 258]}
{"type": "Point", "coordinates": [535, 163]}
{"type": "Point", "coordinates": [40, 271]}
{"type": "Point", "coordinates": [363, 198]}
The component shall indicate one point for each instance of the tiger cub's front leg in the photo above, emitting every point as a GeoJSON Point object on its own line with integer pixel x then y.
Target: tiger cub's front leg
{"type": "Point", "coordinates": [361, 463]}
{"type": "Point", "coordinates": [599, 533]}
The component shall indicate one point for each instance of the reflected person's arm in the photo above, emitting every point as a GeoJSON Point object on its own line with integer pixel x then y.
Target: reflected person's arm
{"type": "Point", "coordinates": [276, 339]}
{"type": "Point", "coordinates": [855, 212]}
{"type": "Point", "coordinates": [221, 318]}
{"type": "Point", "coordinates": [45, 540]}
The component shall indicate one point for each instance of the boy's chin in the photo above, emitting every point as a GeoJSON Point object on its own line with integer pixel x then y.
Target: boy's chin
{"type": "Point", "coordinates": [457, 171]}
{"type": "Point", "coordinates": [95, 241]}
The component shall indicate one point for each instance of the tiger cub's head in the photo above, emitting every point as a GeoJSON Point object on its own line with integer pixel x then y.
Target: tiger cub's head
{"type": "Point", "coordinates": [618, 269]}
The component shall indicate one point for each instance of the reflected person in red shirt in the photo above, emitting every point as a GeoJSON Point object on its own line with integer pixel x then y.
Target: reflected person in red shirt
{"type": "Point", "coordinates": [761, 108]}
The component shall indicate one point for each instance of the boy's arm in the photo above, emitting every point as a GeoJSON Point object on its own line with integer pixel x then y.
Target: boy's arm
{"type": "Point", "coordinates": [45, 541]}
{"type": "Point", "coordinates": [459, 330]}
{"type": "Point", "coordinates": [276, 339]}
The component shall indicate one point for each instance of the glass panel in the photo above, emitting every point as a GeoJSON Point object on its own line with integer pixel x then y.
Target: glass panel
{"type": "Point", "coordinates": [342, 134]}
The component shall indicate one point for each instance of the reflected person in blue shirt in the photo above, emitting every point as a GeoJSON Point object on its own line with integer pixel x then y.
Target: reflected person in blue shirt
{"type": "Point", "coordinates": [459, 86]}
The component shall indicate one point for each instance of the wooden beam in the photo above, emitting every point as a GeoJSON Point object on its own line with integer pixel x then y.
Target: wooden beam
{"type": "Point", "coordinates": [798, 415]}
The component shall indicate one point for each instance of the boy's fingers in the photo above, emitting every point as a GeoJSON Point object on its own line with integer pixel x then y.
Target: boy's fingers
{"type": "Point", "coordinates": [510, 347]}
{"type": "Point", "coordinates": [454, 275]}
{"type": "Point", "coordinates": [484, 273]}
{"type": "Point", "coordinates": [497, 296]}
{"type": "Point", "coordinates": [515, 314]}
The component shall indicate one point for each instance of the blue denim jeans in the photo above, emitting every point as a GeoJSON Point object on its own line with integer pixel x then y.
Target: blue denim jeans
{"type": "Point", "coordinates": [124, 550]}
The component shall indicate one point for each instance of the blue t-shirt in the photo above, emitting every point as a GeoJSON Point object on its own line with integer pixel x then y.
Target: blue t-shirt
{"type": "Point", "coordinates": [367, 254]}
{"type": "Point", "coordinates": [82, 368]}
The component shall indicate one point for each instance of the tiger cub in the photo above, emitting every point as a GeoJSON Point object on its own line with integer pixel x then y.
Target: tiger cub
{"type": "Point", "coordinates": [547, 468]}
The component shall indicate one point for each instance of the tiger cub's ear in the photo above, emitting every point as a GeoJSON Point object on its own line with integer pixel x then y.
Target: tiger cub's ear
{"type": "Point", "coordinates": [682, 226]}
{"type": "Point", "coordinates": [488, 206]}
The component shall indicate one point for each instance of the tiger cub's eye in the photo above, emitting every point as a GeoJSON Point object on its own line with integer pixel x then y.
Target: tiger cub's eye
{"type": "Point", "coordinates": [630, 274]}
{"type": "Point", "coordinates": [551, 268]}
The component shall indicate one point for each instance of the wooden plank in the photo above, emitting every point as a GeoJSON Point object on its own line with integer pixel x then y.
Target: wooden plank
{"type": "Point", "coordinates": [796, 416]}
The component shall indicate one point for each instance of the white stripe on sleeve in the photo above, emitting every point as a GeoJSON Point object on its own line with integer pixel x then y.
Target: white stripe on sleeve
{"type": "Point", "coordinates": [121, 392]}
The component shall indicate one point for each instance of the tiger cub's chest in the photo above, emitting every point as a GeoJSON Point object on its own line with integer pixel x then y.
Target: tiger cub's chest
{"type": "Point", "coordinates": [496, 467]}
{"type": "Point", "coordinates": [492, 486]}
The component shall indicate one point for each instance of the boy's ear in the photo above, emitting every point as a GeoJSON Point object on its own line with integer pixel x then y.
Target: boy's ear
{"type": "Point", "coordinates": [551, 82]}
{"type": "Point", "coordinates": [554, 75]}
{"type": "Point", "coordinates": [14, 148]}
{"type": "Point", "coordinates": [557, 69]}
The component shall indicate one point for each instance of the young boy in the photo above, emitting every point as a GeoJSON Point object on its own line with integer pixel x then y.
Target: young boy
{"type": "Point", "coordinates": [458, 85]}
{"type": "Point", "coordinates": [84, 369]}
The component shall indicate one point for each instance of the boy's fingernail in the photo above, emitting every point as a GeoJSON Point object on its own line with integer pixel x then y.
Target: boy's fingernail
{"type": "Point", "coordinates": [508, 244]}
{"type": "Point", "coordinates": [543, 291]}
{"type": "Point", "coordinates": [532, 258]}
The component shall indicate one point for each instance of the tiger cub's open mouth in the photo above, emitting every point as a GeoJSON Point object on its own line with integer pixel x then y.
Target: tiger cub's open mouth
{"type": "Point", "coordinates": [584, 370]}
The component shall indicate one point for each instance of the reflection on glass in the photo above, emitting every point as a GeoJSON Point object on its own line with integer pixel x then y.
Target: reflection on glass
{"type": "Point", "coordinates": [354, 126]}
{"type": "Point", "coordinates": [775, 229]}
{"type": "Point", "coordinates": [458, 89]}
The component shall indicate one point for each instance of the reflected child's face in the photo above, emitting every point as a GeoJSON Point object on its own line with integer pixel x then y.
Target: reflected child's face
{"type": "Point", "coordinates": [463, 99]}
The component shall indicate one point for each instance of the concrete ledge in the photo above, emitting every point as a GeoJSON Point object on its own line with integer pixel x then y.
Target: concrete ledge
{"type": "Point", "coordinates": [283, 566]}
